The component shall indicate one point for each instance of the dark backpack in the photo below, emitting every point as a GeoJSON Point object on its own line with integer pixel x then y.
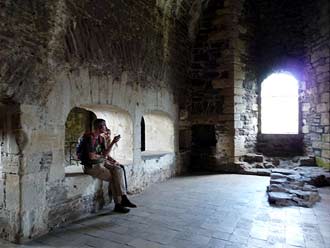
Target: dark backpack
{"type": "Point", "coordinates": [82, 148]}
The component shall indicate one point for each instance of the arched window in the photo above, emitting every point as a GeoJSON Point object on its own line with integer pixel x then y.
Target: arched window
{"type": "Point", "coordinates": [143, 135]}
{"type": "Point", "coordinates": [279, 104]}
{"type": "Point", "coordinates": [77, 123]}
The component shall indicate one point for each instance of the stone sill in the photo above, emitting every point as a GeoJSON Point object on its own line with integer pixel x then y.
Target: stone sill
{"type": "Point", "coordinates": [284, 135]}
{"type": "Point", "coordinates": [77, 170]}
{"type": "Point", "coordinates": [147, 155]}
{"type": "Point", "coordinates": [74, 170]}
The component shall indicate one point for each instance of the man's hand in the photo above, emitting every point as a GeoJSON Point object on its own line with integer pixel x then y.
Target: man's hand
{"type": "Point", "coordinates": [111, 161]}
{"type": "Point", "coordinates": [94, 156]}
{"type": "Point", "coordinates": [116, 139]}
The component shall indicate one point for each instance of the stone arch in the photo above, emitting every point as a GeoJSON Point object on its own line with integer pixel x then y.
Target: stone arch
{"type": "Point", "coordinates": [279, 104]}
{"type": "Point", "coordinates": [78, 121]}
{"type": "Point", "coordinates": [279, 142]}
{"type": "Point", "coordinates": [120, 122]}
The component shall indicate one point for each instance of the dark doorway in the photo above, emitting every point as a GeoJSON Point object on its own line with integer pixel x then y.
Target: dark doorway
{"type": "Point", "coordinates": [203, 147]}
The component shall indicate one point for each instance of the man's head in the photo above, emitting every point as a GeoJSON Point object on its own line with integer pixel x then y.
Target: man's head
{"type": "Point", "coordinates": [99, 125]}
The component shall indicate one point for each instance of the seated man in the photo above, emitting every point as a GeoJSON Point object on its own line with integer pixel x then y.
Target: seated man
{"type": "Point", "coordinates": [99, 164]}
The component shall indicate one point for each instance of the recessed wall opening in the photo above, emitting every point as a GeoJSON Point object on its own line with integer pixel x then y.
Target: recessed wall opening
{"type": "Point", "coordinates": [120, 122]}
{"type": "Point", "coordinates": [143, 135]}
{"type": "Point", "coordinates": [279, 104]}
{"type": "Point", "coordinates": [203, 136]}
{"type": "Point", "coordinates": [203, 146]}
{"type": "Point", "coordinates": [159, 133]}
{"type": "Point", "coordinates": [80, 120]}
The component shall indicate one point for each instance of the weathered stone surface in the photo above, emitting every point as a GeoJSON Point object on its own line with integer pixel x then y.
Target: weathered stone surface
{"type": "Point", "coordinates": [297, 187]}
{"type": "Point", "coordinates": [307, 161]}
{"type": "Point", "coordinates": [280, 171]}
{"type": "Point", "coordinates": [252, 158]}
{"type": "Point", "coordinates": [203, 58]}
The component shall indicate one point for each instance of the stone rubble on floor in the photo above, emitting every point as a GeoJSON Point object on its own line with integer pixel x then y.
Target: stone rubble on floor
{"type": "Point", "coordinates": [296, 187]}
{"type": "Point", "coordinates": [293, 181]}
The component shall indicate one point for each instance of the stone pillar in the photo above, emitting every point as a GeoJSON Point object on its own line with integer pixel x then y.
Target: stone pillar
{"type": "Point", "coordinates": [244, 77]}
{"type": "Point", "coordinates": [10, 172]}
{"type": "Point", "coordinates": [225, 84]}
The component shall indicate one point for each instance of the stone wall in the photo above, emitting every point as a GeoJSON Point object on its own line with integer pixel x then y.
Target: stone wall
{"type": "Point", "coordinates": [211, 80]}
{"type": "Point", "coordinates": [64, 54]}
{"type": "Point", "coordinates": [280, 42]}
{"type": "Point", "coordinates": [316, 94]}
{"type": "Point", "coordinates": [280, 145]}
{"type": "Point", "coordinates": [280, 38]}
{"type": "Point", "coordinates": [245, 18]}
{"type": "Point", "coordinates": [223, 79]}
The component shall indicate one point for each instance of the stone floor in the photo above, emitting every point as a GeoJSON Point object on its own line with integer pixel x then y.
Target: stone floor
{"type": "Point", "coordinates": [201, 211]}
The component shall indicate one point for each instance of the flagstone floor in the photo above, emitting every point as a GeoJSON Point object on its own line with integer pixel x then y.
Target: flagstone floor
{"type": "Point", "coordinates": [225, 211]}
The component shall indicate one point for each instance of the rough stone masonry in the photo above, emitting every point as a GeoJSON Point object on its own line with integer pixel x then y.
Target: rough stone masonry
{"type": "Point", "coordinates": [197, 63]}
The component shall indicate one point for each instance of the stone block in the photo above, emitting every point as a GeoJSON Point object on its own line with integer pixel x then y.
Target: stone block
{"type": "Point", "coordinates": [322, 68]}
{"type": "Point", "coordinates": [324, 85]}
{"type": "Point", "coordinates": [253, 158]}
{"type": "Point", "coordinates": [42, 141]}
{"type": "Point", "coordinates": [325, 98]}
{"type": "Point", "coordinates": [239, 77]}
{"type": "Point", "coordinates": [305, 129]}
{"type": "Point", "coordinates": [34, 190]}
{"type": "Point", "coordinates": [306, 107]}
{"type": "Point", "coordinates": [322, 107]}
{"type": "Point", "coordinates": [327, 129]}
{"type": "Point", "coordinates": [12, 193]}
{"type": "Point", "coordinates": [318, 130]}
{"type": "Point", "coordinates": [238, 99]}
{"type": "Point", "coordinates": [318, 54]}
{"type": "Point", "coordinates": [317, 144]}
{"type": "Point", "coordinates": [315, 137]}
{"type": "Point", "coordinates": [238, 124]}
{"type": "Point", "coordinates": [221, 83]}
{"type": "Point", "coordinates": [240, 108]}
{"type": "Point", "coordinates": [325, 119]}
{"type": "Point", "coordinates": [1, 193]}
{"type": "Point", "coordinates": [326, 137]}
{"type": "Point", "coordinates": [10, 169]}
{"type": "Point", "coordinates": [283, 171]}
{"type": "Point", "coordinates": [239, 91]}
{"type": "Point", "coordinates": [307, 161]}
{"type": "Point", "coordinates": [325, 153]}
{"type": "Point", "coordinates": [242, 29]}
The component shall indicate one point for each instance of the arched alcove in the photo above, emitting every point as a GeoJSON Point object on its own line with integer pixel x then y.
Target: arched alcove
{"type": "Point", "coordinates": [120, 122]}
{"type": "Point", "coordinates": [159, 133]}
{"type": "Point", "coordinates": [78, 122]}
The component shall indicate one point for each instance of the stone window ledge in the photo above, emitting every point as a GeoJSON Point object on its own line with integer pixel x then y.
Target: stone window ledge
{"type": "Point", "coordinates": [77, 170]}
{"type": "Point", "coordinates": [74, 170]}
{"type": "Point", "coordinates": [146, 155]}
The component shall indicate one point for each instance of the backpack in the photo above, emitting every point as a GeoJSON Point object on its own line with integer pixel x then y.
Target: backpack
{"type": "Point", "coordinates": [82, 148]}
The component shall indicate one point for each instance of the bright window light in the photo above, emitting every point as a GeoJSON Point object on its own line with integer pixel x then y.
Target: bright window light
{"type": "Point", "coordinates": [279, 104]}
